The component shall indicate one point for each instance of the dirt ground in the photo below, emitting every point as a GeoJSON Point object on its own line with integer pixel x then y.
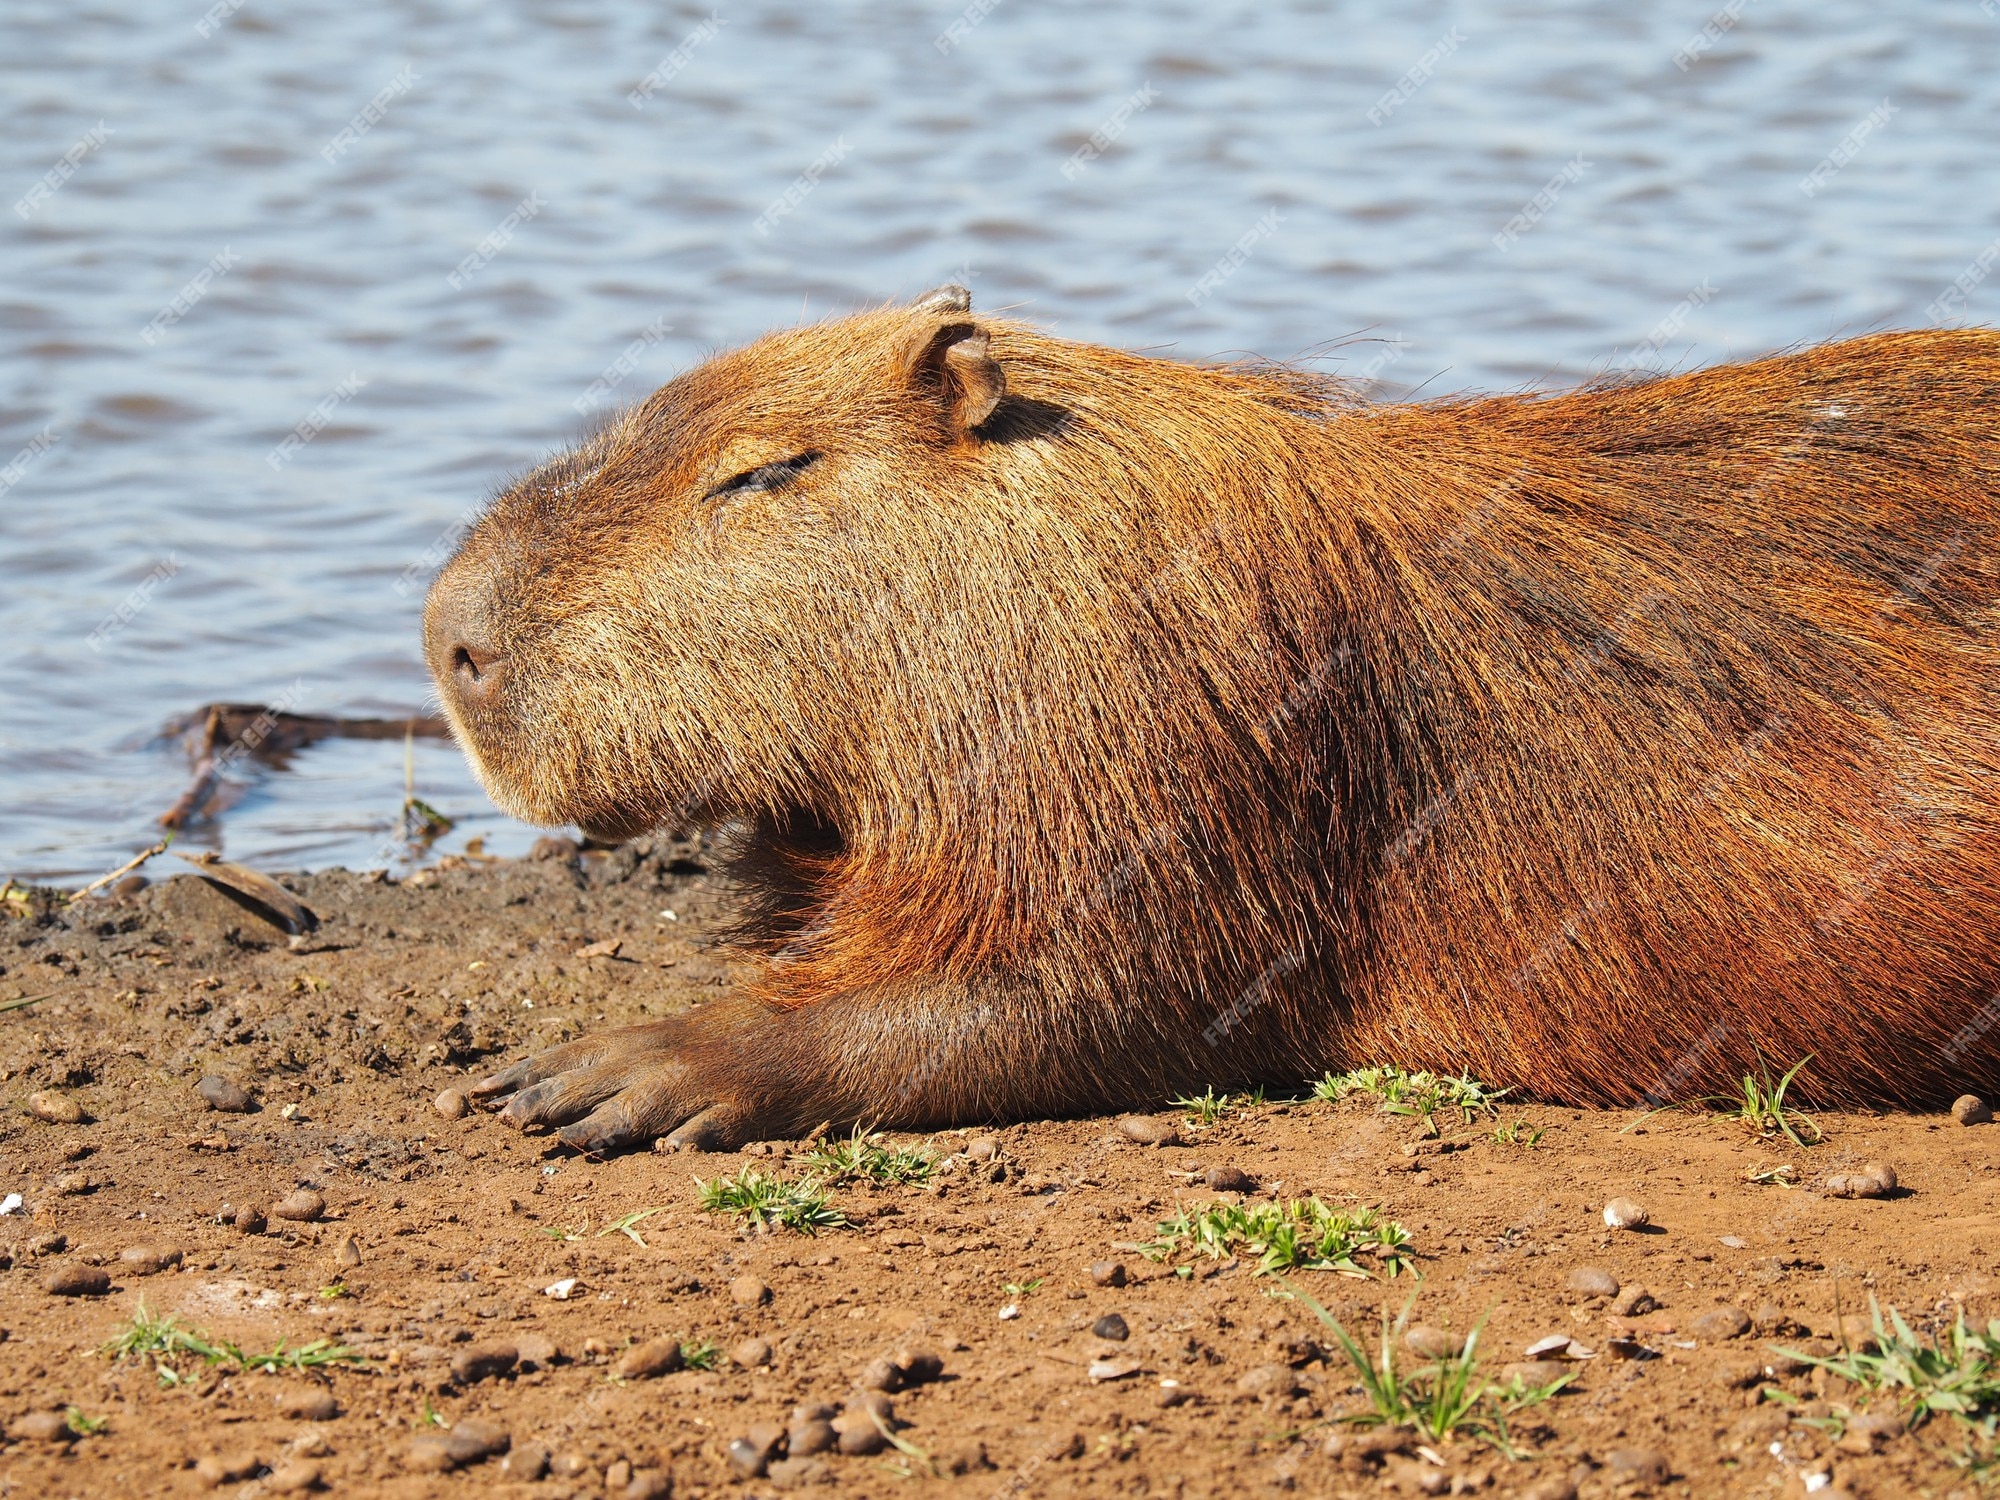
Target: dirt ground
{"type": "Point", "coordinates": [440, 1235]}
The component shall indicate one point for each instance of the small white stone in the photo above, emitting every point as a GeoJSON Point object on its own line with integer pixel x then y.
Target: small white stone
{"type": "Point", "coordinates": [1623, 1213]}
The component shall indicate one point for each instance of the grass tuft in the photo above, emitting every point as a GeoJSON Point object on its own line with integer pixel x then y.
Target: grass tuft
{"type": "Point", "coordinates": [1422, 1096]}
{"type": "Point", "coordinates": [1762, 1109]}
{"type": "Point", "coordinates": [166, 1342]}
{"type": "Point", "coordinates": [1303, 1235]}
{"type": "Point", "coordinates": [1441, 1399]}
{"type": "Point", "coordinates": [864, 1157]}
{"type": "Point", "coordinates": [1208, 1106]}
{"type": "Point", "coordinates": [1957, 1375]}
{"type": "Point", "coordinates": [801, 1204]}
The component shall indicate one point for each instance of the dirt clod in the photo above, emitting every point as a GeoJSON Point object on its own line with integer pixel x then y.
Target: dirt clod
{"type": "Point", "coordinates": [1111, 1326]}
{"type": "Point", "coordinates": [1593, 1281]}
{"type": "Point", "coordinates": [1721, 1323]}
{"type": "Point", "coordinates": [216, 1469]}
{"type": "Point", "coordinates": [225, 1095]}
{"type": "Point", "coordinates": [751, 1354]}
{"type": "Point", "coordinates": [451, 1104]}
{"type": "Point", "coordinates": [526, 1462]}
{"type": "Point", "coordinates": [1147, 1130]}
{"type": "Point", "coordinates": [1970, 1109]}
{"type": "Point", "coordinates": [147, 1260]}
{"type": "Point", "coordinates": [1876, 1179]}
{"type": "Point", "coordinates": [77, 1281]}
{"type": "Point", "coordinates": [655, 1357]}
{"type": "Point", "coordinates": [294, 1478]}
{"type": "Point", "coordinates": [1230, 1180]}
{"type": "Point", "coordinates": [303, 1206]}
{"type": "Point", "coordinates": [56, 1108]}
{"type": "Point", "coordinates": [748, 1291]}
{"type": "Point", "coordinates": [40, 1427]}
{"type": "Point", "coordinates": [1107, 1273]}
{"type": "Point", "coordinates": [249, 1220]}
{"type": "Point", "coordinates": [483, 1362]}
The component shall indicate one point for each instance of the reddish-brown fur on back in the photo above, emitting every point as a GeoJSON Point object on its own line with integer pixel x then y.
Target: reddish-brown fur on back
{"type": "Point", "coordinates": [1176, 724]}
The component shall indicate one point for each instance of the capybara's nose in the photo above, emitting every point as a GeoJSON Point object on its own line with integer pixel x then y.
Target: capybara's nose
{"type": "Point", "coordinates": [465, 658]}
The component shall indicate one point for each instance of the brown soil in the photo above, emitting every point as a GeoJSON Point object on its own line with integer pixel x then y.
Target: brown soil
{"type": "Point", "coordinates": [347, 1036]}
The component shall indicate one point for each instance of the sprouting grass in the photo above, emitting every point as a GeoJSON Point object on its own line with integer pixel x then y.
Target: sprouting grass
{"type": "Point", "coordinates": [629, 1225]}
{"type": "Point", "coordinates": [1520, 1133]}
{"type": "Point", "coordinates": [800, 1204]}
{"type": "Point", "coordinates": [1784, 1174]}
{"type": "Point", "coordinates": [1022, 1288]}
{"type": "Point", "coordinates": [1303, 1235]}
{"type": "Point", "coordinates": [863, 1156]}
{"type": "Point", "coordinates": [1957, 1375]}
{"type": "Point", "coordinates": [1762, 1109]}
{"type": "Point", "coordinates": [335, 1292]}
{"type": "Point", "coordinates": [701, 1356]}
{"type": "Point", "coordinates": [1421, 1096]}
{"type": "Point", "coordinates": [82, 1425]}
{"type": "Point", "coordinates": [165, 1341]}
{"type": "Point", "coordinates": [1208, 1106]}
{"type": "Point", "coordinates": [1442, 1398]}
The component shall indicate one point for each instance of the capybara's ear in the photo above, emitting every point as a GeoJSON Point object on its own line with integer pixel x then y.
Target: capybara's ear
{"type": "Point", "coordinates": [949, 298]}
{"type": "Point", "coordinates": [954, 367]}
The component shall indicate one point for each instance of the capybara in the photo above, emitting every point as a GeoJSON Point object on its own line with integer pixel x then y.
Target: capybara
{"type": "Point", "coordinates": [1091, 727]}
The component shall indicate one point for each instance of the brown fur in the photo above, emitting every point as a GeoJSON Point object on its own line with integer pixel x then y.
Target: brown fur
{"type": "Point", "coordinates": [1180, 725]}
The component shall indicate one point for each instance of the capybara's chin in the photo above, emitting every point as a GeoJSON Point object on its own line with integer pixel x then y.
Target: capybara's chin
{"type": "Point", "coordinates": [1104, 727]}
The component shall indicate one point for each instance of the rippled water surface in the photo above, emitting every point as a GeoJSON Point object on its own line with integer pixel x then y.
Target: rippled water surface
{"type": "Point", "coordinates": [332, 167]}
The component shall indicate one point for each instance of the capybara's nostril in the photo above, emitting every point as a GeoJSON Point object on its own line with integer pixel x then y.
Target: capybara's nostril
{"type": "Point", "coordinates": [475, 670]}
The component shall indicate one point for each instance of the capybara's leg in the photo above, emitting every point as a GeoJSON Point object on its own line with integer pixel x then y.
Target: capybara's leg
{"type": "Point", "coordinates": [734, 1071]}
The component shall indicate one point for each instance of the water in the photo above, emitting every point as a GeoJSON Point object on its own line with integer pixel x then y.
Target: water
{"type": "Point", "coordinates": [1675, 225]}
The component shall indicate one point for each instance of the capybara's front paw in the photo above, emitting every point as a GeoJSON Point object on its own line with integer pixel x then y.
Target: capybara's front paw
{"type": "Point", "coordinates": [625, 1088]}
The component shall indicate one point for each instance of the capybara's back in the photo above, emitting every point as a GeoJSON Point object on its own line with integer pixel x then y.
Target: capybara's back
{"type": "Point", "coordinates": [1093, 727]}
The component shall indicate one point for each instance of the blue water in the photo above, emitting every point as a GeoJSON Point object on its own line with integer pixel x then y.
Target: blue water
{"type": "Point", "coordinates": [1255, 185]}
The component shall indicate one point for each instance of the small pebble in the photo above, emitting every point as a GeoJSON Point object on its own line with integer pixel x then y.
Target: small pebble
{"type": "Point", "coordinates": [1644, 1467]}
{"type": "Point", "coordinates": [649, 1484]}
{"type": "Point", "coordinates": [249, 1220]}
{"type": "Point", "coordinates": [216, 1469]}
{"type": "Point", "coordinates": [225, 1095]}
{"type": "Point", "coordinates": [310, 1403]}
{"type": "Point", "coordinates": [1633, 1302]}
{"type": "Point", "coordinates": [1876, 1179]}
{"type": "Point", "coordinates": [537, 1350]}
{"type": "Point", "coordinates": [147, 1260]}
{"type": "Point", "coordinates": [40, 1427]}
{"type": "Point", "coordinates": [1107, 1273]}
{"type": "Point", "coordinates": [1593, 1281]}
{"type": "Point", "coordinates": [1555, 1487]}
{"type": "Point", "coordinates": [1721, 1323]}
{"type": "Point", "coordinates": [856, 1434]}
{"type": "Point", "coordinates": [130, 885]}
{"type": "Point", "coordinates": [553, 846]}
{"type": "Point", "coordinates": [1870, 1432]}
{"type": "Point", "coordinates": [78, 1281]}
{"type": "Point", "coordinates": [301, 1207]}
{"type": "Point", "coordinates": [1274, 1380]}
{"type": "Point", "coordinates": [293, 1478]}
{"type": "Point", "coordinates": [748, 1291]}
{"type": "Point", "coordinates": [1970, 1109]}
{"type": "Point", "coordinates": [1427, 1342]}
{"type": "Point", "coordinates": [794, 1473]}
{"type": "Point", "coordinates": [1112, 1326]}
{"type": "Point", "coordinates": [349, 1253]}
{"type": "Point", "coordinates": [1230, 1180]}
{"type": "Point", "coordinates": [804, 1439]}
{"type": "Point", "coordinates": [880, 1375]}
{"type": "Point", "coordinates": [483, 1362]}
{"type": "Point", "coordinates": [467, 1443]}
{"type": "Point", "coordinates": [1146, 1130]}
{"type": "Point", "coordinates": [660, 1356]}
{"type": "Point", "coordinates": [57, 1109]}
{"type": "Point", "coordinates": [1857, 1332]}
{"type": "Point", "coordinates": [982, 1148]}
{"type": "Point", "coordinates": [1624, 1213]}
{"type": "Point", "coordinates": [451, 1104]}
{"type": "Point", "coordinates": [752, 1354]}
{"type": "Point", "coordinates": [526, 1462]}
{"type": "Point", "coordinates": [919, 1366]}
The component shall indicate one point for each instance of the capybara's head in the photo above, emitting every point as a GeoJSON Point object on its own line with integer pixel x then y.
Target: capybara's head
{"type": "Point", "coordinates": [687, 616]}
